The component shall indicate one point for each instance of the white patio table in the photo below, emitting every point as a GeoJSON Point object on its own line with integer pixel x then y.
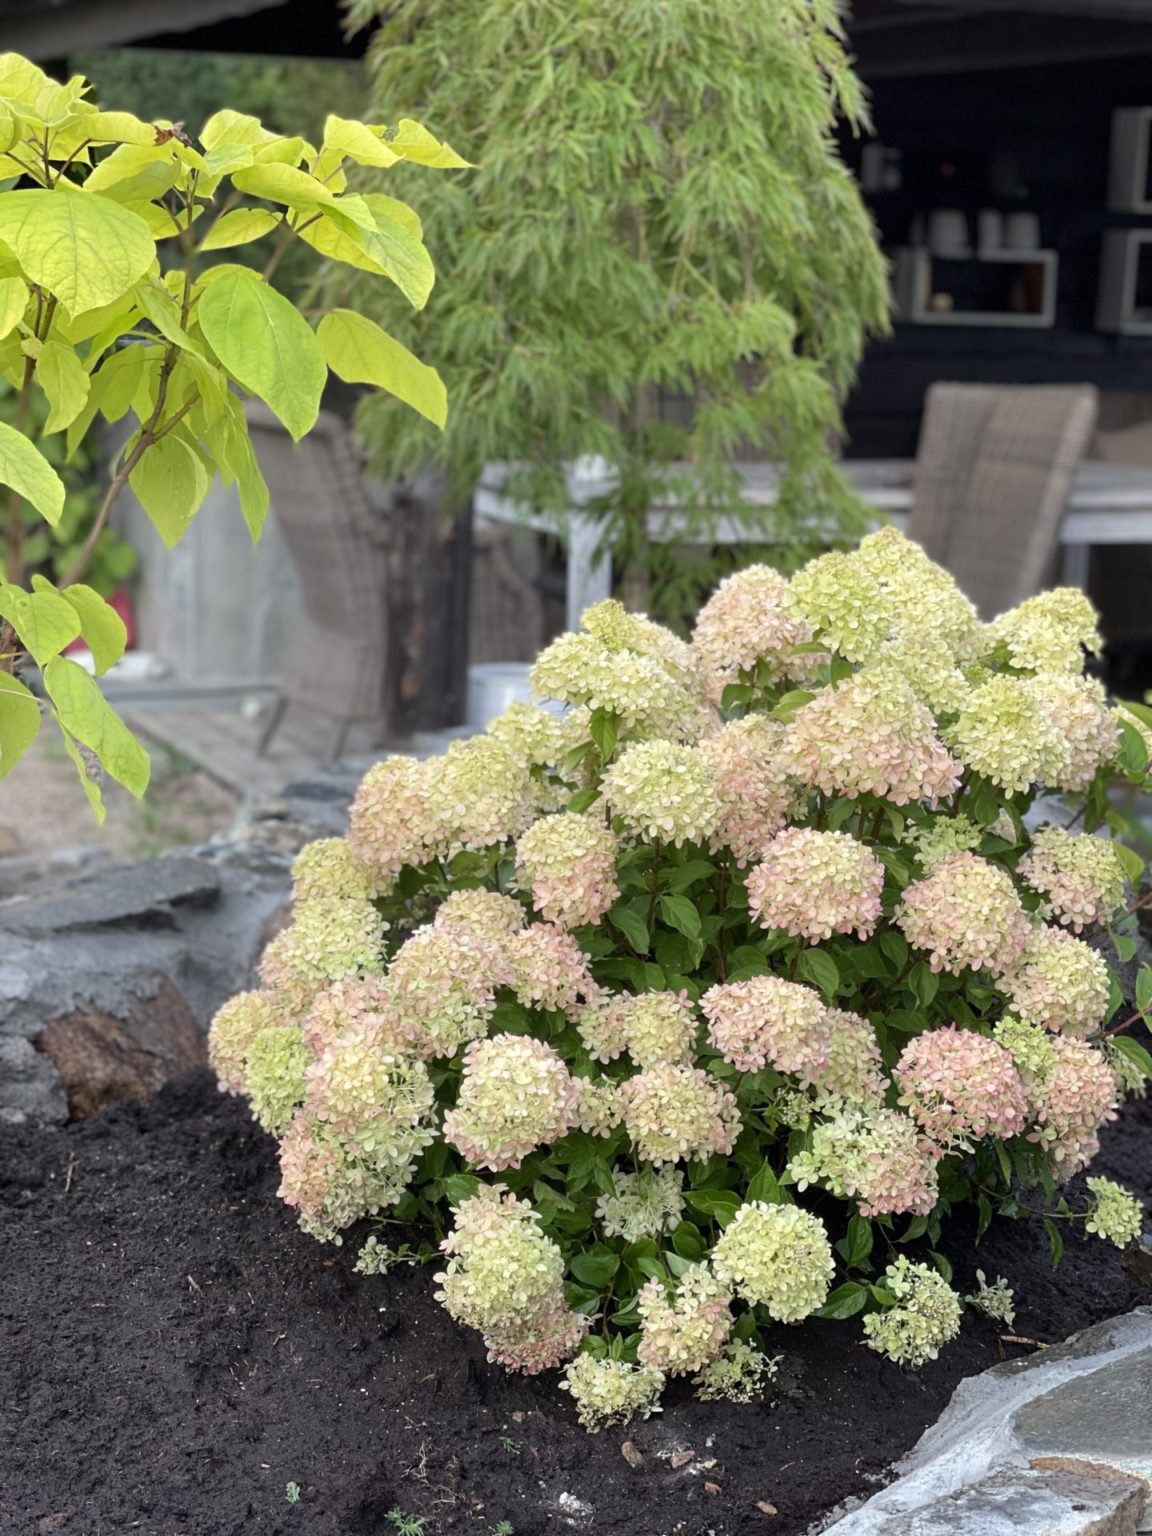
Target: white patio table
{"type": "Point", "coordinates": [1109, 504]}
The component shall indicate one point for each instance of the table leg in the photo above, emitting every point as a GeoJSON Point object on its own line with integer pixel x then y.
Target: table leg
{"type": "Point", "coordinates": [589, 575]}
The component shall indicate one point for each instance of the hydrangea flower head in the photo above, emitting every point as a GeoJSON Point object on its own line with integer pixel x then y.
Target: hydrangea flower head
{"type": "Point", "coordinates": [875, 1156]}
{"type": "Point", "coordinates": [331, 867]}
{"type": "Point", "coordinates": [681, 1333]}
{"type": "Point", "coordinates": [569, 864]}
{"type": "Point", "coordinates": [274, 1066]}
{"type": "Point", "coordinates": [815, 884]}
{"type": "Point", "coordinates": [444, 986]}
{"type": "Point", "coordinates": [329, 1182]}
{"type": "Point", "coordinates": [960, 1086]}
{"type": "Point", "coordinates": [579, 669]}
{"type": "Point", "coordinates": [965, 913]}
{"type": "Point", "coordinates": [1081, 876]}
{"type": "Point", "coordinates": [655, 1028]}
{"type": "Point", "coordinates": [382, 1101]}
{"type": "Point", "coordinates": [926, 1315]}
{"type": "Point", "coordinates": [620, 630]}
{"type": "Point", "coordinates": [925, 608]}
{"type": "Point", "coordinates": [549, 969]}
{"type": "Point", "coordinates": [869, 734]}
{"type": "Point", "coordinates": [767, 1020]}
{"type": "Point", "coordinates": [235, 1025]}
{"type": "Point", "coordinates": [356, 1004]}
{"type": "Point", "coordinates": [736, 1375]}
{"type": "Point", "coordinates": [1049, 632]}
{"type": "Point", "coordinates": [390, 816]}
{"type": "Point", "coordinates": [674, 1113]}
{"type": "Point", "coordinates": [665, 791]}
{"type": "Point", "coordinates": [747, 624]}
{"type": "Point", "coordinates": [1116, 1215]}
{"type": "Point", "coordinates": [486, 917]}
{"type": "Point", "coordinates": [646, 1203]}
{"type": "Point", "coordinates": [841, 602]}
{"type": "Point", "coordinates": [332, 937]}
{"type": "Point", "coordinates": [756, 797]}
{"type": "Point", "coordinates": [480, 792]}
{"type": "Point", "coordinates": [1003, 733]}
{"type": "Point", "coordinates": [536, 736]}
{"type": "Point", "coordinates": [1058, 982]}
{"type": "Point", "coordinates": [776, 1256]}
{"type": "Point", "coordinates": [515, 1095]}
{"type": "Point", "coordinates": [610, 1391]}
{"type": "Point", "coordinates": [851, 1072]}
{"type": "Point", "coordinates": [1083, 733]}
{"type": "Point", "coordinates": [1078, 1098]}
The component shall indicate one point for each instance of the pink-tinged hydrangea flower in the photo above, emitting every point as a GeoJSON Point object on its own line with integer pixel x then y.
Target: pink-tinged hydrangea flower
{"type": "Point", "coordinates": [638, 689]}
{"type": "Point", "coordinates": [479, 793]}
{"type": "Point", "coordinates": [663, 791]}
{"type": "Point", "coordinates": [444, 985]}
{"type": "Point", "coordinates": [607, 1391]}
{"type": "Point", "coordinates": [331, 867]}
{"type": "Point", "coordinates": [756, 798]}
{"type": "Point", "coordinates": [1049, 632]}
{"type": "Point", "coordinates": [332, 937]}
{"type": "Point", "coordinates": [655, 1028]}
{"type": "Point", "coordinates": [1083, 732]}
{"type": "Point", "coordinates": [484, 916]}
{"type": "Point", "coordinates": [1003, 733]}
{"type": "Point", "coordinates": [926, 1316]}
{"type": "Point", "coordinates": [618, 629]}
{"type": "Point", "coordinates": [680, 1333]}
{"type": "Point", "coordinates": [814, 884]}
{"type": "Point", "coordinates": [597, 1110]}
{"type": "Point", "coordinates": [1078, 1098]}
{"type": "Point", "coordinates": [515, 1095]}
{"type": "Point", "coordinates": [1081, 876]}
{"type": "Point", "coordinates": [776, 1256]}
{"type": "Point", "coordinates": [767, 1020]}
{"type": "Point", "coordinates": [294, 995]}
{"type": "Point", "coordinates": [925, 608]}
{"type": "Point", "coordinates": [851, 1073]}
{"type": "Point", "coordinates": [569, 863]}
{"type": "Point", "coordinates": [646, 1203]}
{"type": "Point", "coordinates": [358, 1005]}
{"type": "Point", "coordinates": [274, 1065]}
{"type": "Point", "coordinates": [961, 1087]}
{"type": "Point", "coordinates": [506, 1279]}
{"type": "Point", "coordinates": [929, 671]}
{"type": "Point", "coordinates": [389, 816]}
{"type": "Point", "coordinates": [232, 1031]}
{"type": "Point", "coordinates": [329, 1181]}
{"type": "Point", "coordinates": [842, 604]}
{"type": "Point", "coordinates": [1059, 983]}
{"type": "Point", "coordinates": [675, 1113]}
{"type": "Point", "coordinates": [745, 625]}
{"type": "Point", "coordinates": [549, 969]}
{"type": "Point", "coordinates": [877, 1157]}
{"type": "Point", "coordinates": [869, 734]}
{"type": "Point", "coordinates": [382, 1101]}
{"type": "Point", "coordinates": [965, 913]}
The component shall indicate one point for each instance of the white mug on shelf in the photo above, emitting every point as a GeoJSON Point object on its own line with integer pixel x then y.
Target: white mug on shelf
{"type": "Point", "coordinates": [989, 229]}
{"type": "Point", "coordinates": [1022, 231]}
{"type": "Point", "coordinates": [948, 232]}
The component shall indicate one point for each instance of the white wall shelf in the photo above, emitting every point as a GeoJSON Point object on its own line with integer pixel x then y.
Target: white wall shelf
{"type": "Point", "coordinates": [1124, 296]}
{"type": "Point", "coordinates": [1130, 161]}
{"type": "Point", "coordinates": [927, 285]}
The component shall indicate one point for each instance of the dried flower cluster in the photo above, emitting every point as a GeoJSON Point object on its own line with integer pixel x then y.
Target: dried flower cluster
{"type": "Point", "coordinates": [676, 1000]}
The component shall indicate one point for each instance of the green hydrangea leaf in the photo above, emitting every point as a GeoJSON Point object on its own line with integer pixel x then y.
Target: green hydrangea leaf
{"type": "Point", "coordinates": [359, 352]}
{"type": "Point", "coordinates": [85, 714]}
{"type": "Point", "coordinates": [266, 345]}
{"type": "Point", "coordinates": [83, 248]}
{"type": "Point", "coordinates": [19, 722]}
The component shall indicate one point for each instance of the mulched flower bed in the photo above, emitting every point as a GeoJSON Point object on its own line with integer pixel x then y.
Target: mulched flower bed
{"type": "Point", "coordinates": [176, 1353]}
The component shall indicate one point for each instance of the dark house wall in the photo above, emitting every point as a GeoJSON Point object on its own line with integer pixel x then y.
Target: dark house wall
{"type": "Point", "coordinates": [1050, 126]}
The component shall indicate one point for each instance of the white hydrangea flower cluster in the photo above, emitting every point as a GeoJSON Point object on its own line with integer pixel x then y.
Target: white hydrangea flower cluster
{"type": "Point", "coordinates": [1049, 632]}
{"type": "Point", "coordinates": [738, 1374]}
{"type": "Point", "coordinates": [646, 1203]}
{"type": "Point", "coordinates": [655, 1028]}
{"type": "Point", "coordinates": [965, 914]}
{"type": "Point", "coordinates": [875, 1156]}
{"type": "Point", "coordinates": [815, 884]}
{"type": "Point", "coordinates": [747, 625]}
{"type": "Point", "coordinates": [1058, 982]}
{"type": "Point", "coordinates": [756, 797]}
{"type": "Point", "coordinates": [1082, 877]}
{"type": "Point", "coordinates": [674, 1113]}
{"type": "Point", "coordinates": [997, 1301]}
{"type": "Point", "coordinates": [767, 1019]}
{"type": "Point", "coordinates": [515, 1095]}
{"type": "Point", "coordinates": [926, 1315]}
{"type": "Point", "coordinates": [961, 1087]}
{"type": "Point", "coordinates": [681, 1333]}
{"type": "Point", "coordinates": [568, 862]}
{"type": "Point", "coordinates": [664, 792]}
{"type": "Point", "coordinates": [611, 1391]}
{"type": "Point", "coordinates": [331, 867]}
{"type": "Point", "coordinates": [1116, 1216]}
{"type": "Point", "coordinates": [776, 1256]}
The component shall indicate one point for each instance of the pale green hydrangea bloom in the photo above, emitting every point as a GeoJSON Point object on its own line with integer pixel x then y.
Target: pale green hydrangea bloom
{"type": "Point", "coordinates": [611, 1391]}
{"type": "Point", "coordinates": [1116, 1215]}
{"type": "Point", "coordinates": [332, 867]}
{"type": "Point", "coordinates": [997, 1301]}
{"type": "Point", "coordinates": [274, 1067]}
{"type": "Point", "coordinates": [646, 1203]}
{"type": "Point", "coordinates": [926, 1315]}
{"type": "Point", "coordinates": [776, 1256]}
{"type": "Point", "coordinates": [738, 1374]}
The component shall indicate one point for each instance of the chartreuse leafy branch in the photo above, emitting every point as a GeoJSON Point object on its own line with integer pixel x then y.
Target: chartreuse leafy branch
{"type": "Point", "coordinates": [114, 307]}
{"type": "Point", "coordinates": [697, 1010]}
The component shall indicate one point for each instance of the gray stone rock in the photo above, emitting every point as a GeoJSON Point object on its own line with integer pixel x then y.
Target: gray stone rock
{"type": "Point", "coordinates": [30, 1086]}
{"type": "Point", "coordinates": [1027, 1503]}
{"type": "Point", "coordinates": [1009, 1418]}
{"type": "Point", "coordinates": [113, 896]}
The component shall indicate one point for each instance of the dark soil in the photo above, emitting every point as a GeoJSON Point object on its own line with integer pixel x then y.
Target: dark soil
{"type": "Point", "coordinates": [175, 1353]}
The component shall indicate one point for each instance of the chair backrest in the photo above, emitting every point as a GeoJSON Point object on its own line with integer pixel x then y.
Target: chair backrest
{"type": "Point", "coordinates": [993, 472]}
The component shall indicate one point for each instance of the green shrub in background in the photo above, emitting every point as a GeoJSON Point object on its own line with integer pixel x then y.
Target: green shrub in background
{"type": "Point", "coordinates": [658, 212]}
{"type": "Point", "coordinates": [109, 312]}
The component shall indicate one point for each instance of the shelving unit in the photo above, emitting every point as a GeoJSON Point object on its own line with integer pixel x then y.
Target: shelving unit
{"type": "Point", "coordinates": [1130, 161]}
{"type": "Point", "coordinates": [981, 288]}
{"type": "Point", "coordinates": [1124, 298]}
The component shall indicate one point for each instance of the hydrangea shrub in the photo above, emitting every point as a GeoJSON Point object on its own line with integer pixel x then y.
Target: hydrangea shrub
{"type": "Point", "coordinates": [676, 1007]}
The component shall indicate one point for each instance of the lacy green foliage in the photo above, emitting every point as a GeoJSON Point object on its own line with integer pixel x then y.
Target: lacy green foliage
{"type": "Point", "coordinates": [108, 313]}
{"type": "Point", "coordinates": [700, 997]}
{"type": "Point", "coordinates": [659, 216]}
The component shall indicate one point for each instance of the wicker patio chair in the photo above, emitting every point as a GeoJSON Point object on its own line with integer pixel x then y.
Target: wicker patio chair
{"type": "Point", "coordinates": [993, 471]}
{"type": "Point", "coordinates": [337, 542]}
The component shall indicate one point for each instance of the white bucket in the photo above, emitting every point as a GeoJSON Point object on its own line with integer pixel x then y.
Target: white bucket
{"type": "Point", "coordinates": [492, 686]}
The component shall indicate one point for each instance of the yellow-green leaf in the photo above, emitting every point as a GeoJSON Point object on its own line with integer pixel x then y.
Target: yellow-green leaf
{"type": "Point", "coordinates": [89, 774]}
{"type": "Point", "coordinates": [13, 303]}
{"type": "Point", "coordinates": [170, 483]}
{"type": "Point", "coordinates": [117, 127]}
{"type": "Point", "coordinates": [101, 627]}
{"type": "Point", "coordinates": [297, 190]}
{"type": "Point", "coordinates": [85, 250]}
{"type": "Point", "coordinates": [238, 227]}
{"type": "Point", "coordinates": [28, 472]}
{"type": "Point", "coordinates": [266, 345]}
{"type": "Point", "coordinates": [413, 142]}
{"type": "Point", "coordinates": [347, 136]}
{"type": "Point", "coordinates": [228, 127]}
{"type": "Point", "coordinates": [164, 313]}
{"type": "Point", "coordinates": [65, 382]}
{"type": "Point", "coordinates": [134, 173]}
{"type": "Point", "coordinates": [393, 247]}
{"type": "Point", "coordinates": [43, 620]}
{"type": "Point", "coordinates": [19, 722]}
{"type": "Point", "coordinates": [359, 352]}
{"type": "Point", "coordinates": [85, 713]}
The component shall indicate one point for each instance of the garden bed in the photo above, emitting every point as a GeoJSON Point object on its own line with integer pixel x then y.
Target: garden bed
{"type": "Point", "coordinates": [177, 1353]}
